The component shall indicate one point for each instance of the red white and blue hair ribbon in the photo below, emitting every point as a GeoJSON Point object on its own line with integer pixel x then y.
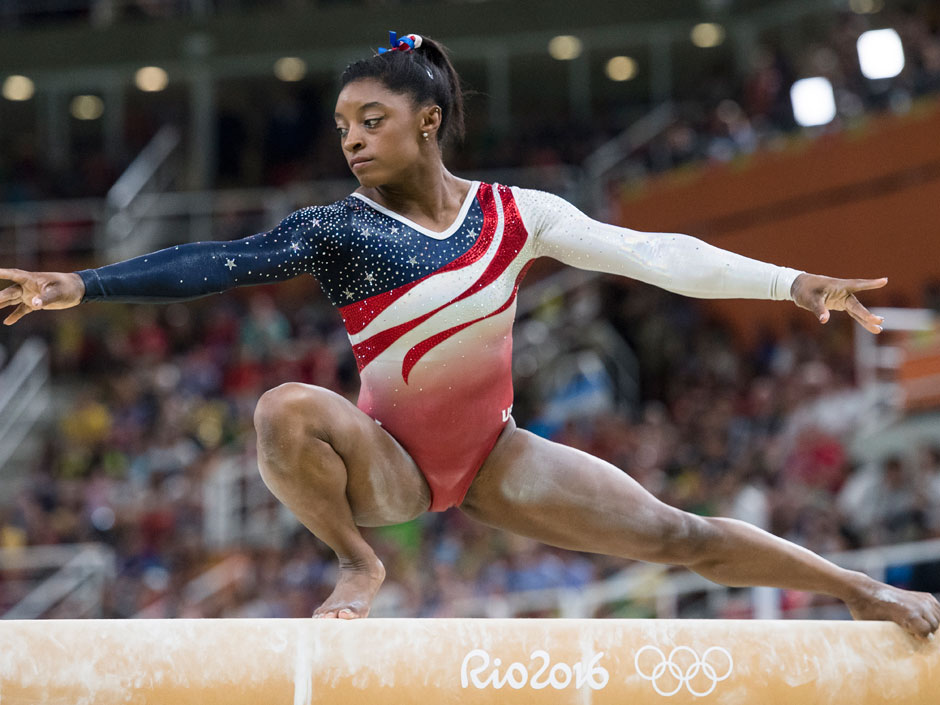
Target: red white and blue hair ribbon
{"type": "Point", "coordinates": [409, 42]}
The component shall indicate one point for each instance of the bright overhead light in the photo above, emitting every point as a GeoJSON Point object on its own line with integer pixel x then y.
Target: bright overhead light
{"type": "Point", "coordinates": [565, 47]}
{"type": "Point", "coordinates": [290, 68]}
{"type": "Point", "coordinates": [814, 103]}
{"type": "Point", "coordinates": [707, 34]}
{"type": "Point", "coordinates": [880, 53]}
{"type": "Point", "coordinates": [151, 79]}
{"type": "Point", "coordinates": [18, 88]}
{"type": "Point", "coordinates": [87, 107]}
{"type": "Point", "coordinates": [621, 68]}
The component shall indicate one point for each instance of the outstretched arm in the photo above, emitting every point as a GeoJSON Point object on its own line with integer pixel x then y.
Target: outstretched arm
{"type": "Point", "coordinates": [176, 273]}
{"type": "Point", "coordinates": [681, 263]}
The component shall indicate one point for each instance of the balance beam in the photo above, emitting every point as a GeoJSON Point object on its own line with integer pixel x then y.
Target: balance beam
{"type": "Point", "coordinates": [438, 661]}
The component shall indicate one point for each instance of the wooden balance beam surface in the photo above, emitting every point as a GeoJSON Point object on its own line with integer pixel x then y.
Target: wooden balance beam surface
{"type": "Point", "coordinates": [437, 661]}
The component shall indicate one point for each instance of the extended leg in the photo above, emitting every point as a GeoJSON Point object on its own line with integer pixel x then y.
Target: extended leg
{"type": "Point", "coordinates": [335, 468]}
{"type": "Point", "coordinates": [567, 498]}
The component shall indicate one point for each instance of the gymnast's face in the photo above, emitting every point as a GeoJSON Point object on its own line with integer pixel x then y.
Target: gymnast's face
{"type": "Point", "coordinates": [380, 132]}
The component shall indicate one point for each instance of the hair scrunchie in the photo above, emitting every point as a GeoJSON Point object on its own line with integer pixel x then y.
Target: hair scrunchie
{"type": "Point", "coordinates": [409, 42]}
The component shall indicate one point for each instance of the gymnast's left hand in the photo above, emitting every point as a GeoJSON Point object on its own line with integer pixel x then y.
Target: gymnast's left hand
{"type": "Point", "coordinates": [823, 294]}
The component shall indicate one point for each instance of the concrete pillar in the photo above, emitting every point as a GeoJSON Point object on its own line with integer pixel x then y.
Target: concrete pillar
{"type": "Point", "coordinates": [745, 44]}
{"type": "Point", "coordinates": [114, 116]}
{"type": "Point", "coordinates": [202, 128]}
{"type": "Point", "coordinates": [498, 83]}
{"type": "Point", "coordinates": [660, 67]}
{"type": "Point", "coordinates": [579, 87]}
{"type": "Point", "coordinates": [55, 127]}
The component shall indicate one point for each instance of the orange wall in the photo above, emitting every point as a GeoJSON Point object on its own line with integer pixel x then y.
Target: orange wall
{"type": "Point", "coordinates": [864, 203]}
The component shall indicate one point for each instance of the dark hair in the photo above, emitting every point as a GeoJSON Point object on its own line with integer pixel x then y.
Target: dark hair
{"type": "Point", "coordinates": [425, 74]}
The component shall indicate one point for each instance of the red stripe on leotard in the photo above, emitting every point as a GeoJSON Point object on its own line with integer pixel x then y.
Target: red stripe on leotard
{"type": "Point", "coordinates": [371, 348]}
{"type": "Point", "coordinates": [358, 315]}
{"type": "Point", "coordinates": [418, 351]}
{"type": "Point", "coordinates": [514, 237]}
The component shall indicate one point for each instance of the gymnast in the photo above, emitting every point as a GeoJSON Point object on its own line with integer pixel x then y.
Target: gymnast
{"type": "Point", "coordinates": [424, 268]}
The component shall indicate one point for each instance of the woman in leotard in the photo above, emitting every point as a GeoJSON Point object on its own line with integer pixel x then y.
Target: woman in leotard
{"type": "Point", "coordinates": [424, 268]}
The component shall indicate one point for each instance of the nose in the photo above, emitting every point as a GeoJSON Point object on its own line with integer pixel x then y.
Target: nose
{"type": "Point", "coordinates": [353, 141]}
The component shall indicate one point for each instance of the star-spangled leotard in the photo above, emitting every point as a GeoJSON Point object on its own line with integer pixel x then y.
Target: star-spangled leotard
{"type": "Point", "coordinates": [429, 314]}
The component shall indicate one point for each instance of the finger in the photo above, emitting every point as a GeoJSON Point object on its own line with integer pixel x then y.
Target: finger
{"type": "Point", "coordinates": [864, 284]}
{"type": "Point", "coordinates": [17, 314]}
{"type": "Point", "coordinates": [869, 321]}
{"type": "Point", "coordinates": [10, 295]}
{"type": "Point", "coordinates": [921, 627]}
{"type": "Point", "coordinates": [818, 307]}
{"type": "Point", "coordinates": [14, 275]}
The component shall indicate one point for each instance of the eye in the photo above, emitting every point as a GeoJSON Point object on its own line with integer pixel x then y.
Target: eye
{"type": "Point", "coordinates": [372, 122]}
{"type": "Point", "coordinates": [341, 131]}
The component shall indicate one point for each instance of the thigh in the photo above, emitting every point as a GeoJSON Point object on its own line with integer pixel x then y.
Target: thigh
{"type": "Point", "coordinates": [383, 483]}
{"type": "Point", "coordinates": [568, 498]}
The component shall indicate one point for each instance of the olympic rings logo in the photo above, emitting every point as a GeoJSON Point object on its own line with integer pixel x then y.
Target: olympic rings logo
{"type": "Point", "coordinates": [686, 670]}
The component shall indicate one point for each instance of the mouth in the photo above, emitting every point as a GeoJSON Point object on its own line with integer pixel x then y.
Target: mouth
{"type": "Point", "coordinates": [357, 163]}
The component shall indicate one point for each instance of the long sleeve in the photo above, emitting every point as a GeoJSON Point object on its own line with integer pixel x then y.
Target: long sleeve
{"type": "Point", "coordinates": [198, 269]}
{"type": "Point", "coordinates": [679, 263]}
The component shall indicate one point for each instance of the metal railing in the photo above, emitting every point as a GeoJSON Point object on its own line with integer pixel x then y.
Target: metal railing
{"type": "Point", "coordinates": [234, 570]}
{"type": "Point", "coordinates": [150, 173]}
{"type": "Point", "coordinates": [103, 13]}
{"type": "Point", "coordinates": [873, 356]}
{"type": "Point", "coordinates": [77, 584]}
{"type": "Point", "coordinates": [239, 510]}
{"type": "Point", "coordinates": [613, 158]}
{"type": "Point", "coordinates": [36, 232]}
{"type": "Point", "coordinates": [661, 589]}
{"type": "Point", "coordinates": [98, 13]}
{"type": "Point", "coordinates": [134, 221]}
{"type": "Point", "coordinates": [24, 395]}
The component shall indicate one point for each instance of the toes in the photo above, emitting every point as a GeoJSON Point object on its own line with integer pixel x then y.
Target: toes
{"type": "Point", "coordinates": [342, 613]}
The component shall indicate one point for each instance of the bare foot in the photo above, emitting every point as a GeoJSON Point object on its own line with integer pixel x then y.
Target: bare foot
{"type": "Point", "coordinates": [916, 612]}
{"type": "Point", "coordinates": [355, 589]}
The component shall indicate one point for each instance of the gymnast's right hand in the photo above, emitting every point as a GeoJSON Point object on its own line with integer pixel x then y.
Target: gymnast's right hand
{"type": "Point", "coordinates": [32, 291]}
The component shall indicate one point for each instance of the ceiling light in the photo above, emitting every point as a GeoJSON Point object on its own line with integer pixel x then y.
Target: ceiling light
{"type": "Point", "coordinates": [151, 79]}
{"type": "Point", "coordinates": [621, 68]}
{"type": "Point", "coordinates": [18, 88]}
{"type": "Point", "coordinates": [290, 68]}
{"type": "Point", "coordinates": [866, 7]}
{"type": "Point", "coordinates": [707, 35]}
{"type": "Point", "coordinates": [87, 107]}
{"type": "Point", "coordinates": [565, 47]}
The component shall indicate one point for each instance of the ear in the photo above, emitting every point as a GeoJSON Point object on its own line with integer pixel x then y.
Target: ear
{"type": "Point", "coordinates": [429, 118]}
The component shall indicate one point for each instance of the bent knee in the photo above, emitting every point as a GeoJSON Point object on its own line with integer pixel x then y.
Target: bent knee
{"type": "Point", "coordinates": [684, 538]}
{"type": "Point", "coordinates": [288, 407]}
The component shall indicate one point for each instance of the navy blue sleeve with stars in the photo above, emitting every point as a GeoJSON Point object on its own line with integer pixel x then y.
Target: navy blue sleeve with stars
{"type": "Point", "coordinates": [354, 251]}
{"type": "Point", "coordinates": [198, 269]}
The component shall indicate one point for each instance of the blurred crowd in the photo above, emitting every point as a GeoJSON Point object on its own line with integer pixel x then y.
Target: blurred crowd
{"type": "Point", "coordinates": [730, 117]}
{"type": "Point", "coordinates": [731, 111]}
{"type": "Point", "coordinates": [163, 394]}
